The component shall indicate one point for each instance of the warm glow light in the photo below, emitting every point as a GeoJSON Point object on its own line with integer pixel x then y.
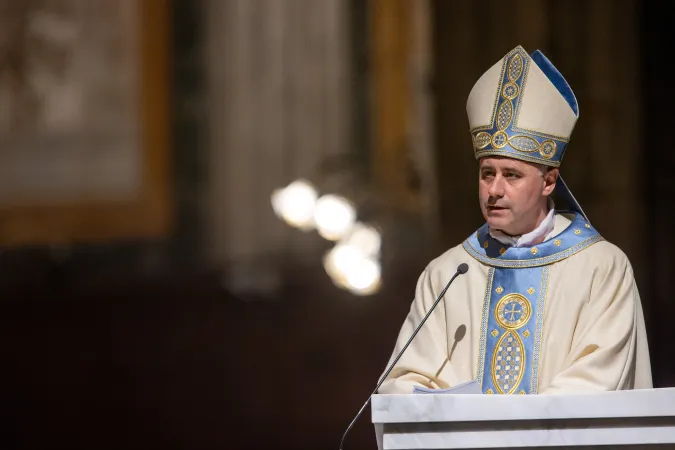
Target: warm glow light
{"type": "Point", "coordinates": [353, 264]}
{"type": "Point", "coordinates": [296, 204]}
{"type": "Point", "coordinates": [364, 276]}
{"type": "Point", "coordinates": [333, 216]}
{"type": "Point", "coordinates": [350, 269]}
{"type": "Point", "coordinates": [365, 238]}
{"type": "Point", "coordinates": [338, 260]}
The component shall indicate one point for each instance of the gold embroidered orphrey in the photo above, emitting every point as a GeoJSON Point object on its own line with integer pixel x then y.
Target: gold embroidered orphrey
{"type": "Point", "coordinates": [512, 312]}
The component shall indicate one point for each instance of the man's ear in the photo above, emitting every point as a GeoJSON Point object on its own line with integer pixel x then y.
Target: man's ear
{"type": "Point", "coordinates": [550, 178]}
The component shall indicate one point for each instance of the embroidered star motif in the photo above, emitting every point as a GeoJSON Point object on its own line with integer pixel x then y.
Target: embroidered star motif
{"type": "Point", "coordinates": [521, 392]}
{"type": "Point", "coordinates": [530, 291]}
{"type": "Point", "coordinates": [499, 290]}
{"type": "Point", "coordinates": [577, 231]}
{"type": "Point", "coordinates": [526, 333]}
{"type": "Point", "coordinates": [588, 225]}
{"type": "Point", "coordinates": [495, 333]}
{"type": "Point", "coordinates": [490, 392]}
{"type": "Point", "coordinates": [534, 250]}
{"type": "Point", "coordinates": [557, 242]}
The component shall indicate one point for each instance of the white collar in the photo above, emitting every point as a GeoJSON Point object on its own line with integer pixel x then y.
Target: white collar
{"type": "Point", "coordinates": [542, 231]}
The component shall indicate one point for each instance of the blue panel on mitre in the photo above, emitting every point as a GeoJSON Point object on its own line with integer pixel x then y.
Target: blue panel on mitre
{"type": "Point", "coordinates": [556, 78]}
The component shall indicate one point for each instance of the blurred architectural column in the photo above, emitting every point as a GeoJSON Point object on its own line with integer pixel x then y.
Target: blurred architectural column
{"type": "Point", "coordinates": [280, 99]}
{"type": "Point", "coordinates": [596, 46]}
{"type": "Point", "coordinates": [422, 143]}
{"type": "Point", "coordinates": [401, 112]}
{"type": "Point", "coordinates": [390, 32]}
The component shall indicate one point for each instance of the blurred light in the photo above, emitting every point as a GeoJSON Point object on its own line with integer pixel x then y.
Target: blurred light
{"type": "Point", "coordinates": [333, 216]}
{"type": "Point", "coordinates": [364, 276]}
{"type": "Point", "coordinates": [353, 263]}
{"type": "Point", "coordinates": [351, 269]}
{"type": "Point", "coordinates": [365, 238]}
{"type": "Point", "coordinates": [295, 204]}
{"type": "Point", "coordinates": [338, 260]}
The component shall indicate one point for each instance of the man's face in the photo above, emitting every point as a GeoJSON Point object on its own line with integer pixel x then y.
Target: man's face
{"type": "Point", "coordinates": [513, 194]}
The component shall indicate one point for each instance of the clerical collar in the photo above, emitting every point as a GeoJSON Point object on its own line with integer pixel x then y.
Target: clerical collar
{"type": "Point", "coordinates": [541, 233]}
{"type": "Point", "coordinates": [569, 236]}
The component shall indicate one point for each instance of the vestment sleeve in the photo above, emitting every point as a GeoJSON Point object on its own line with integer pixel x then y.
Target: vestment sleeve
{"type": "Point", "coordinates": [602, 355]}
{"type": "Point", "coordinates": [427, 352]}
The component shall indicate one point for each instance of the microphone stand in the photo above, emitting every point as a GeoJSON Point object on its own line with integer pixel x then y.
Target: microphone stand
{"type": "Point", "coordinates": [461, 269]}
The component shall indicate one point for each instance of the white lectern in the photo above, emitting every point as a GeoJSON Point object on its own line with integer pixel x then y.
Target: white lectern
{"type": "Point", "coordinates": [629, 419]}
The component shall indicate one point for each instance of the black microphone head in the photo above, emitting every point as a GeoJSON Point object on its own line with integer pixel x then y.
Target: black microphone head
{"type": "Point", "coordinates": [463, 268]}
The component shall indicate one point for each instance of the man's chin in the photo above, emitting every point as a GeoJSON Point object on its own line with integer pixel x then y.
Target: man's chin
{"type": "Point", "coordinates": [498, 223]}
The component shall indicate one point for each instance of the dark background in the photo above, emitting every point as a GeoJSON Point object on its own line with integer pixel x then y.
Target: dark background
{"type": "Point", "coordinates": [105, 348]}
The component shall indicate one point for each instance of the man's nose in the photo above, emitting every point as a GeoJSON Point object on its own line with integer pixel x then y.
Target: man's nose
{"type": "Point", "coordinates": [497, 187]}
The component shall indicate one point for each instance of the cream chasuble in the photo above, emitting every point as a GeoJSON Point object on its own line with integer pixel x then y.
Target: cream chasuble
{"type": "Point", "coordinates": [560, 316]}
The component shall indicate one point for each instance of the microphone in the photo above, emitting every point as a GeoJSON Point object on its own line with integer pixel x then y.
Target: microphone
{"type": "Point", "coordinates": [461, 269]}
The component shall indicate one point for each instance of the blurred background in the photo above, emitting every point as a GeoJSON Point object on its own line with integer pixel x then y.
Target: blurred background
{"type": "Point", "coordinates": [213, 213]}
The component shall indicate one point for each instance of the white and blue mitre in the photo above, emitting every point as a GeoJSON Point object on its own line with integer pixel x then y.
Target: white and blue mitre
{"type": "Point", "coordinates": [521, 108]}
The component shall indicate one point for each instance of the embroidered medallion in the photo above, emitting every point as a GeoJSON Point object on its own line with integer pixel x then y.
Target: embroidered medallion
{"type": "Point", "coordinates": [513, 311]}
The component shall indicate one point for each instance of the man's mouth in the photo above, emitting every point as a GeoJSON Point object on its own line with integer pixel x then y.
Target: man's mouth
{"type": "Point", "coordinates": [495, 208]}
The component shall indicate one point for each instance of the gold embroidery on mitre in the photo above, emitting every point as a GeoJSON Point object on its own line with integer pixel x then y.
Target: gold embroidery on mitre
{"type": "Point", "coordinates": [524, 144]}
{"type": "Point", "coordinates": [530, 291]}
{"type": "Point", "coordinates": [482, 140]}
{"type": "Point", "coordinates": [500, 139]}
{"type": "Point", "coordinates": [504, 116]}
{"type": "Point", "coordinates": [547, 149]}
{"type": "Point", "coordinates": [495, 333]}
{"type": "Point", "coordinates": [510, 90]}
{"type": "Point", "coordinates": [499, 290]}
{"type": "Point", "coordinates": [588, 225]}
{"type": "Point", "coordinates": [534, 250]}
{"type": "Point", "coordinates": [489, 392]}
{"type": "Point", "coordinates": [526, 333]}
{"type": "Point", "coordinates": [557, 242]}
{"type": "Point", "coordinates": [577, 232]}
{"type": "Point", "coordinates": [515, 67]}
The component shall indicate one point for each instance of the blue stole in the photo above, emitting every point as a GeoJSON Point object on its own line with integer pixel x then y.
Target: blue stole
{"type": "Point", "coordinates": [513, 309]}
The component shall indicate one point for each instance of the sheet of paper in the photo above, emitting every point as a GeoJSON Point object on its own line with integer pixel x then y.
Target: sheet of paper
{"type": "Point", "coordinates": [470, 387]}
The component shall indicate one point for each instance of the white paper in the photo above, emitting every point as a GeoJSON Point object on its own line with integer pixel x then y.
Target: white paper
{"type": "Point", "coordinates": [470, 387]}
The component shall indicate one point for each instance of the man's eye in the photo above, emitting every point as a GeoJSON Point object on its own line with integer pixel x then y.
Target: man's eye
{"type": "Point", "coordinates": [513, 176]}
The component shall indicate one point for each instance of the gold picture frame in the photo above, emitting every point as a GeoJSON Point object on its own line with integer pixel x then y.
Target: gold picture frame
{"type": "Point", "coordinates": [120, 141]}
